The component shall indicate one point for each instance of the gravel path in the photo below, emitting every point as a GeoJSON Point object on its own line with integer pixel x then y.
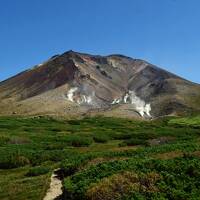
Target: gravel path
{"type": "Point", "coordinates": [55, 189]}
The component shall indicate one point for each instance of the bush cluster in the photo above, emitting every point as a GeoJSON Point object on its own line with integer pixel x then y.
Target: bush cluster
{"type": "Point", "coordinates": [13, 161]}
{"type": "Point", "coordinates": [78, 141]}
{"type": "Point", "coordinates": [37, 171]}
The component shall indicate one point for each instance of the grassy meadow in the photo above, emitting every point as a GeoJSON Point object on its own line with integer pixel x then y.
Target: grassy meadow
{"type": "Point", "coordinates": [101, 158]}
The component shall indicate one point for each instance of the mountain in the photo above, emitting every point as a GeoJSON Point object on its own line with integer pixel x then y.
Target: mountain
{"type": "Point", "coordinates": [74, 84]}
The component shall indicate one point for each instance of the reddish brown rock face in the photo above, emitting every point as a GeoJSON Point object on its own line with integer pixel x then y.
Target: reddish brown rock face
{"type": "Point", "coordinates": [42, 78]}
{"type": "Point", "coordinates": [101, 83]}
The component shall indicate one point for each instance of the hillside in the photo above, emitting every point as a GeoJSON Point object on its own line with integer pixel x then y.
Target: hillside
{"type": "Point", "coordinates": [76, 84]}
{"type": "Point", "coordinates": [100, 158]}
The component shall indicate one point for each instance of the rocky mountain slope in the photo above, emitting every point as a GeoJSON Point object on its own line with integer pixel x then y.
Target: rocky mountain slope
{"type": "Point", "coordinates": [74, 84]}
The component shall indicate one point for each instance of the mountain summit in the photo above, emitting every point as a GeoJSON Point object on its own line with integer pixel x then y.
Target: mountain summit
{"type": "Point", "coordinates": [75, 84]}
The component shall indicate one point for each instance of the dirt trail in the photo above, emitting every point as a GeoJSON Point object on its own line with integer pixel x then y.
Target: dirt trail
{"type": "Point", "coordinates": [55, 190]}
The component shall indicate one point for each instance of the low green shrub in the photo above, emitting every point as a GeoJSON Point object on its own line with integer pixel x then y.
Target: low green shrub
{"type": "Point", "coordinates": [101, 138]}
{"type": "Point", "coordinates": [13, 161]}
{"type": "Point", "coordinates": [37, 158]}
{"type": "Point", "coordinates": [56, 146]}
{"type": "Point", "coordinates": [69, 167]}
{"type": "Point", "coordinates": [180, 177]}
{"type": "Point", "coordinates": [72, 164]}
{"type": "Point", "coordinates": [122, 136]}
{"type": "Point", "coordinates": [186, 121]}
{"type": "Point", "coordinates": [78, 141]}
{"type": "Point", "coordinates": [133, 142]}
{"type": "Point", "coordinates": [74, 122]}
{"type": "Point", "coordinates": [4, 139]}
{"type": "Point", "coordinates": [37, 171]}
{"type": "Point", "coordinates": [52, 143]}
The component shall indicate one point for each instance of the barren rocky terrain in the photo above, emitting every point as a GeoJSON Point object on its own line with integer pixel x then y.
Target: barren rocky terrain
{"type": "Point", "coordinates": [77, 84]}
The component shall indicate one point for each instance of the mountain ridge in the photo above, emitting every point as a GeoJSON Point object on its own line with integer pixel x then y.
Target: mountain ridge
{"type": "Point", "coordinates": [84, 82]}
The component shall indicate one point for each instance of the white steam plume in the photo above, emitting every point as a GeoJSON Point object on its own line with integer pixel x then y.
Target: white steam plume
{"type": "Point", "coordinates": [70, 94]}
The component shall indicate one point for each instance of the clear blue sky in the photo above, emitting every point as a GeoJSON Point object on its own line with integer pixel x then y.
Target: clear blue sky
{"type": "Point", "coordinates": [163, 32]}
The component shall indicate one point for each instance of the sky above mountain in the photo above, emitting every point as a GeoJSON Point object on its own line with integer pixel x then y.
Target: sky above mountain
{"type": "Point", "coordinates": [163, 32]}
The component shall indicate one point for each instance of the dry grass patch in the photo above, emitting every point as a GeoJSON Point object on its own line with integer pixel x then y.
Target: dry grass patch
{"type": "Point", "coordinates": [19, 140]}
{"type": "Point", "coordinates": [126, 148]}
{"type": "Point", "coordinates": [116, 186]}
{"type": "Point", "coordinates": [169, 155]}
{"type": "Point", "coordinates": [160, 141]}
{"type": "Point", "coordinates": [196, 153]}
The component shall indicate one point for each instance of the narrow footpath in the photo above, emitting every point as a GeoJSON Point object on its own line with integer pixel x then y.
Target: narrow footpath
{"type": "Point", "coordinates": [55, 191]}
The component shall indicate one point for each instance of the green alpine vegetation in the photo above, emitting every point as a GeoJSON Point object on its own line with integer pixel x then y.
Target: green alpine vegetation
{"type": "Point", "coordinates": [101, 158]}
